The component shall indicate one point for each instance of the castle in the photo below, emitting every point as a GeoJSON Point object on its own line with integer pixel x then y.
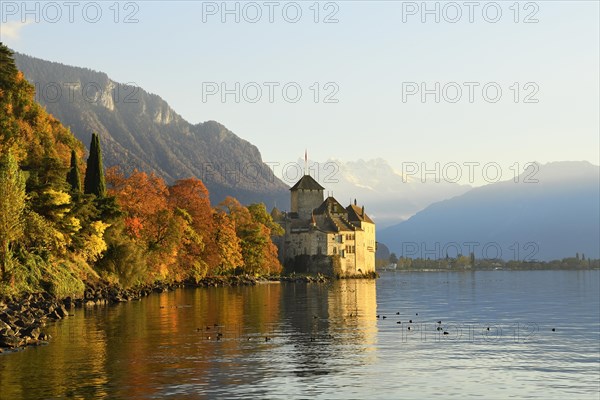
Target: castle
{"type": "Point", "coordinates": [321, 236]}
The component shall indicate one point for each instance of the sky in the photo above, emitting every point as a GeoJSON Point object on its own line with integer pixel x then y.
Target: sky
{"type": "Point", "coordinates": [416, 84]}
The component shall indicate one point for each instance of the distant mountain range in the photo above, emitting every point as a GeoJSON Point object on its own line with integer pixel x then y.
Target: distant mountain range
{"type": "Point", "coordinates": [554, 218]}
{"type": "Point", "coordinates": [139, 130]}
{"type": "Point", "coordinates": [389, 197]}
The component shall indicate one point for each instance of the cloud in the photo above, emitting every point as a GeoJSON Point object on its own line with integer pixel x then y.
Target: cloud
{"type": "Point", "coordinates": [11, 30]}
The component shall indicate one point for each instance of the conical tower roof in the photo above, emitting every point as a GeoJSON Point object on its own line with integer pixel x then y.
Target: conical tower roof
{"type": "Point", "coordinates": [307, 183]}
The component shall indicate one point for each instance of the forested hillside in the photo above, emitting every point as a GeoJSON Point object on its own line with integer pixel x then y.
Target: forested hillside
{"type": "Point", "coordinates": [139, 130]}
{"type": "Point", "coordinates": [65, 221]}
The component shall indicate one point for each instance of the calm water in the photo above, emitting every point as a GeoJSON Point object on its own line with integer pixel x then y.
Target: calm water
{"type": "Point", "coordinates": [327, 342]}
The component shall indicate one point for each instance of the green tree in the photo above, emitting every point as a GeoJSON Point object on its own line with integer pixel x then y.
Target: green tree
{"type": "Point", "coordinates": [74, 176]}
{"type": "Point", "coordinates": [259, 214]}
{"type": "Point", "coordinates": [393, 258]}
{"type": "Point", "coordinates": [462, 261]}
{"type": "Point", "coordinates": [8, 70]}
{"type": "Point", "coordinates": [94, 176]}
{"type": "Point", "coordinates": [12, 205]}
{"type": "Point", "coordinates": [124, 258]}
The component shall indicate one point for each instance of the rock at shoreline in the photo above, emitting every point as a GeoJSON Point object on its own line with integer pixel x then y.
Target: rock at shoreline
{"type": "Point", "coordinates": [22, 320]}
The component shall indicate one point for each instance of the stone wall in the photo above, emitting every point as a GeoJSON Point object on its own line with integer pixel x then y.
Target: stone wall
{"type": "Point", "coordinates": [306, 264]}
{"type": "Point", "coordinates": [304, 201]}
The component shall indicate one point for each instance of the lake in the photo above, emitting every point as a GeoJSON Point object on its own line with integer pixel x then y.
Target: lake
{"type": "Point", "coordinates": [282, 340]}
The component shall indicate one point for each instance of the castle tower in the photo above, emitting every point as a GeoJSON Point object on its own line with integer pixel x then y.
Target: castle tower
{"type": "Point", "coordinates": [306, 195]}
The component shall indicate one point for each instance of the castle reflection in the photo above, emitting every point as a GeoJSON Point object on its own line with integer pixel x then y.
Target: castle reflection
{"type": "Point", "coordinates": [331, 325]}
{"type": "Point", "coordinates": [183, 342]}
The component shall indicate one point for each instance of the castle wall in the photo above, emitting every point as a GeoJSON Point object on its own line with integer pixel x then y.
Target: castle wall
{"type": "Point", "coordinates": [305, 243]}
{"type": "Point", "coordinates": [368, 247]}
{"type": "Point", "coordinates": [303, 201]}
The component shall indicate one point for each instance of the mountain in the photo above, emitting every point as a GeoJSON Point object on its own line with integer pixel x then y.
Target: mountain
{"type": "Point", "coordinates": [554, 218]}
{"type": "Point", "coordinates": [388, 196]}
{"type": "Point", "coordinates": [138, 130]}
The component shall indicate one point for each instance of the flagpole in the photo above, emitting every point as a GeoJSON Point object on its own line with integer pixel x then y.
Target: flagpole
{"type": "Point", "coordinates": [305, 161]}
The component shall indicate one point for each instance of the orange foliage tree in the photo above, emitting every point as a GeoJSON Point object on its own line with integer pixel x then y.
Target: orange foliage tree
{"type": "Point", "coordinates": [228, 257]}
{"type": "Point", "coordinates": [193, 239]}
{"type": "Point", "coordinates": [148, 219]}
{"type": "Point", "coordinates": [189, 198]}
{"type": "Point", "coordinates": [254, 227]}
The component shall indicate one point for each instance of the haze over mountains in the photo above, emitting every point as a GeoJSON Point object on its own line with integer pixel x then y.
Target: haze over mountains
{"type": "Point", "coordinates": [388, 196]}
{"type": "Point", "coordinates": [139, 130]}
{"type": "Point", "coordinates": [555, 218]}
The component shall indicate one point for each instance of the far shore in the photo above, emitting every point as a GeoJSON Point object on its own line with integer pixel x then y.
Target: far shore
{"type": "Point", "coordinates": [483, 269]}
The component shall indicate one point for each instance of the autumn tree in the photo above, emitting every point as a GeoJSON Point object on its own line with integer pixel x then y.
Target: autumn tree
{"type": "Point", "coordinates": [47, 242]}
{"type": "Point", "coordinates": [149, 219]}
{"type": "Point", "coordinates": [192, 196]}
{"type": "Point", "coordinates": [268, 229]}
{"type": "Point", "coordinates": [252, 226]}
{"type": "Point", "coordinates": [228, 245]}
{"type": "Point", "coordinates": [191, 204]}
{"type": "Point", "coordinates": [12, 205]}
{"type": "Point", "coordinates": [144, 200]}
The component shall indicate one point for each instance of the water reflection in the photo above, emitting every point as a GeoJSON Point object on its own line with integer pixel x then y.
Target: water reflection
{"type": "Point", "coordinates": [331, 327]}
{"type": "Point", "coordinates": [326, 341]}
{"type": "Point", "coordinates": [63, 369]}
{"type": "Point", "coordinates": [191, 341]}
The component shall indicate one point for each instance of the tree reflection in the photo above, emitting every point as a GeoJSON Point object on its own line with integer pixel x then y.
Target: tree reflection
{"type": "Point", "coordinates": [189, 340]}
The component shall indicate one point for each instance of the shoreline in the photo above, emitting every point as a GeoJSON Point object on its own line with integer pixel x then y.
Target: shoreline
{"type": "Point", "coordinates": [483, 269]}
{"type": "Point", "coordinates": [23, 319]}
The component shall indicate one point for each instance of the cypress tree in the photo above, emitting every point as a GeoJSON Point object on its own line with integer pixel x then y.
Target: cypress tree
{"type": "Point", "coordinates": [94, 175]}
{"type": "Point", "coordinates": [74, 176]}
{"type": "Point", "coordinates": [8, 69]}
